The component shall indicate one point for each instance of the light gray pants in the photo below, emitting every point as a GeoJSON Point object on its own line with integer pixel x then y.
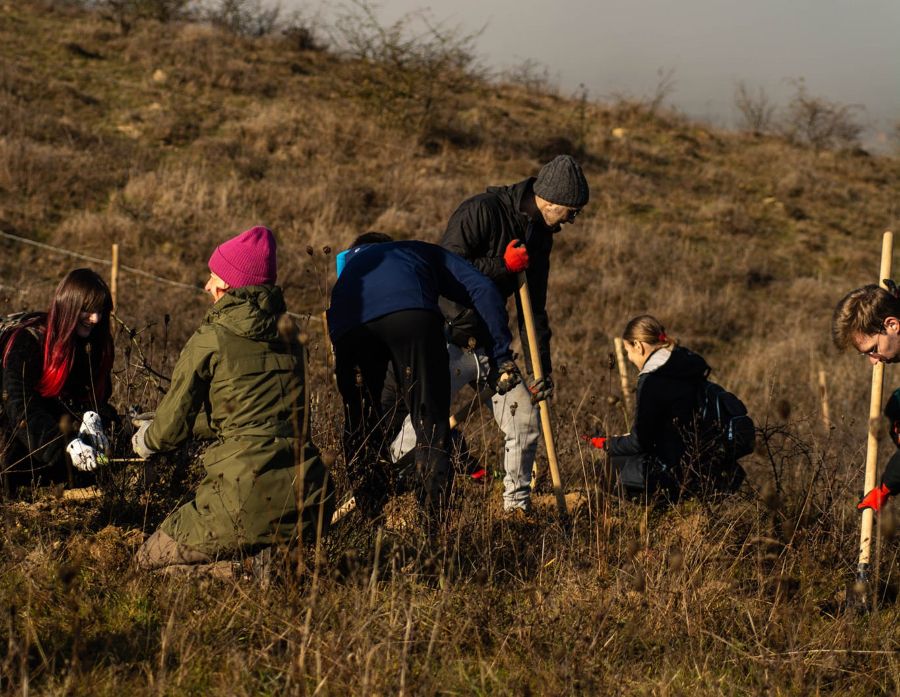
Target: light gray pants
{"type": "Point", "coordinates": [517, 417]}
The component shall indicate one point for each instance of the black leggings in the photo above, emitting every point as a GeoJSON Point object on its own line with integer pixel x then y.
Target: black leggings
{"type": "Point", "coordinates": [413, 342]}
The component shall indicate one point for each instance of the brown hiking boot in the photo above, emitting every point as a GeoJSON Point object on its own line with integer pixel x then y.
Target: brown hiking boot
{"type": "Point", "coordinates": [161, 550]}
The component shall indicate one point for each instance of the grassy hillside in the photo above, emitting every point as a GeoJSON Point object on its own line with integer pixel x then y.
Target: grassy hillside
{"type": "Point", "coordinates": [174, 136]}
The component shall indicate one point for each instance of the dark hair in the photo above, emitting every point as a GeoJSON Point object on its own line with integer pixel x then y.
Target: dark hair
{"type": "Point", "coordinates": [82, 290]}
{"type": "Point", "coordinates": [371, 237]}
{"type": "Point", "coordinates": [862, 311]}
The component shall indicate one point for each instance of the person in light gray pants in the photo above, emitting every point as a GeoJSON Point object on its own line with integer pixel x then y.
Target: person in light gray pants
{"type": "Point", "coordinates": [516, 416]}
{"type": "Point", "coordinates": [505, 232]}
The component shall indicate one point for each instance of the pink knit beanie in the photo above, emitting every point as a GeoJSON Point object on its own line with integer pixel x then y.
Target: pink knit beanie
{"type": "Point", "coordinates": [246, 260]}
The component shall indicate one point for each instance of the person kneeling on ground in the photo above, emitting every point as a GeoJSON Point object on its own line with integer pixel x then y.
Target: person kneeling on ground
{"type": "Point", "coordinates": [56, 373]}
{"type": "Point", "coordinates": [384, 310]}
{"type": "Point", "coordinates": [664, 452]}
{"type": "Point", "coordinates": [240, 380]}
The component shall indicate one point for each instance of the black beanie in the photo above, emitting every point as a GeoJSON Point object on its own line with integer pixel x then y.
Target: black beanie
{"type": "Point", "coordinates": [561, 181]}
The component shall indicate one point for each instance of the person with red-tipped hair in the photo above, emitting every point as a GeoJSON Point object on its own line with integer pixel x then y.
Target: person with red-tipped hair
{"type": "Point", "coordinates": [56, 381]}
{"type": "Point", "coordinates": [240, 379]}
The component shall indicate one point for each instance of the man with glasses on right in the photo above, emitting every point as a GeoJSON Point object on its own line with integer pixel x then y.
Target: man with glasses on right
{"type": "Point", "coordinates": [504, 231]}
{"type": "Point", "coordinates": [868, 320]}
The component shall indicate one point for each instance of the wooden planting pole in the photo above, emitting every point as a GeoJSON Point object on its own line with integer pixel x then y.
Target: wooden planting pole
{"type": "Point", "coordinates": [623, 377]}
{"type": "Point", "coordinates": [114, 277]}
{"type": "Point", "coordinates": [868, 515]}
{"type": "Point", "coordinates": [823, 397]}
{"type": "Point", "coordinates": [543, 405]}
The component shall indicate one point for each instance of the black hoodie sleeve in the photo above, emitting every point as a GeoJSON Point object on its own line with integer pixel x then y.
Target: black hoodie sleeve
{"type": "Point", "coordinates": [469, 234]}
{"type": "Point", "coordinates": [648, 413]}
{"type": "Point", "coordinates": [25, 409]}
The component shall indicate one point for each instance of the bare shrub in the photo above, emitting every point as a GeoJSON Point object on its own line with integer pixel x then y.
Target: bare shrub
{"type": "Point", "coordinates": [665, 87]}
{"type": "Point", "coordinates": [531, 74]}
{"type": "Point", "coordinates": [302, 33]}
{"type": "Point", "coordinates": [252, 18]}
{"type": "Point", "coordinates": [821, 123]}
{"type": "Point", "coordinates": [635, 109]}
{"type": "Point", "coordinates": [409, 72]}
{"type": "Point", "coordinates": [126, 13]}
{"type": "Point", "coordinates": [756, 110]}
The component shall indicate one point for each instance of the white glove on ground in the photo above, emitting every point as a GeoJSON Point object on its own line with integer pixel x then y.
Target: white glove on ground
{"type": "Point", "coordinates": [83, 456]}
{"type": "Point", "coordinates": [137, 441]}
{"type": "Point", "coordinates": [91, 432]}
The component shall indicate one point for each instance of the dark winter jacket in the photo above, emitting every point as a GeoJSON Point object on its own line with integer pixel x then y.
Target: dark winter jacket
{"type": "Point", "coordinates": [479, 231]}
{"type": "Point", "coordinates": [36, 428]}
{"type": "Point", "coordinates": [891, 476]}
{"type": "Point", "coordinates": [248, 381]}
{"type": "Point", "coordinates": [665, 409]}
{"type": "Point", "coordinates": [379, 279]}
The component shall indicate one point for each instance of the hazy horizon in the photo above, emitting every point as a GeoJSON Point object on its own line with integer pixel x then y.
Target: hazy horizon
{"type": "Point", "coordinates": [845, 51]}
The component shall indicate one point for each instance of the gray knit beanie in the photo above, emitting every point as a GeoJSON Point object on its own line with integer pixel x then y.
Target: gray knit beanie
{"type": "Point", "coordinates": [561, 181]}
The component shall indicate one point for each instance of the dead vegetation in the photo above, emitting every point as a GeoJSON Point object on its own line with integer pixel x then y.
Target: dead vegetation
{"type": "Point", "coordinates": [169, 137]}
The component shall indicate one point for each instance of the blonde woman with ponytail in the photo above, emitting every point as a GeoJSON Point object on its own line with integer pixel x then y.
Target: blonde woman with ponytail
{"type": "Point", "coordinates": [660, 453]}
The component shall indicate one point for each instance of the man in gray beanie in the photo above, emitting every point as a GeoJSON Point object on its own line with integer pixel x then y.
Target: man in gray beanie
{"type": "Point", "coordinates": [506, 230]}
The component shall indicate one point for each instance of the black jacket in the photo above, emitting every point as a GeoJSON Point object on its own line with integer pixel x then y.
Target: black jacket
{"type": "Point", "coordinates": [891, 476]}
{"type": "Point", "coordinates": [665, 410]}
{"type": "Point", "coordinates": [479, 231]}
{"type": "Point", "coordinates": [36, 429]}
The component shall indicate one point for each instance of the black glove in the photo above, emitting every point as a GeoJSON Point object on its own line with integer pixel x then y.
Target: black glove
{"type": "Point", "coordinates": [540, 389]}
{"type": "Point", "coordinates": [506, 376]}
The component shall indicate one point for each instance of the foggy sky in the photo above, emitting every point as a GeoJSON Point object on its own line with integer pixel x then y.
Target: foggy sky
{"type": "Point", "coordinates": [846, 50]}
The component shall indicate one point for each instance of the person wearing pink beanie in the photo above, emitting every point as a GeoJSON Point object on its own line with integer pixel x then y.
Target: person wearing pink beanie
{"type": "Point", "coordinates": [246, 260]}
{"type": "Point", "coordinates": [240, 380]}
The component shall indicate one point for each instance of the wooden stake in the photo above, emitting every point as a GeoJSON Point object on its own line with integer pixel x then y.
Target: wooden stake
{"type": "Point", "coordinates": [544, 406]}
{"type": "Point", "coordinates": [868, 515]}
{"type": "Point", "coordinates": [823, 397]}
{"type": "Point", "coordinates": [623, 378]}
{"type": "Point", "coordinates": [114, 277]}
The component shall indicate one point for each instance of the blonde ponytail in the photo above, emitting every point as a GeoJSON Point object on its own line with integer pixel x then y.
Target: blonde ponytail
{"type": "Point", "coordinates": [648, 329]}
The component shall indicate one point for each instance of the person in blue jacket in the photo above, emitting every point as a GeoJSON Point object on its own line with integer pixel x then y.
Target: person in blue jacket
{"type": "Point", "coordinates": [384, 310]}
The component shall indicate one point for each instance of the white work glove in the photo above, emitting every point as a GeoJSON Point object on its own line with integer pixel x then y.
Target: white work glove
{"type": "Point", "coordinates": [83, 456]}
{"type": "Point", "coordinates": [138, 444]}
{"type": "Point", "coordinates": [91, 432]}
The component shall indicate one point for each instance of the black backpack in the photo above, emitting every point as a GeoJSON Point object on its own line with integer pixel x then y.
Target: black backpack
{"type": "Point", "coordinates": [8, 326]}
{"type": "Point", "coordinates": [725, 421]}
{"type": "Point", "coordinates": [10, 323]}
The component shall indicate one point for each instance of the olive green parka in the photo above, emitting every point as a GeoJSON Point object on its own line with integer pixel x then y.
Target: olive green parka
{"type": "Point", "coordinates": [240, 381]}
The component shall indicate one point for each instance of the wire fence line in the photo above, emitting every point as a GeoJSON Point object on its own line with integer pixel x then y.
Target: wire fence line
{"type": "Point", "coordinates": [122, 267]}
{"type": "Point", "coordinates": [98, 260]}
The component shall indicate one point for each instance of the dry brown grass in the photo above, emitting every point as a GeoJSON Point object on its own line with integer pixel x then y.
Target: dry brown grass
{"type": "Point", "coordinates": [740, 243]}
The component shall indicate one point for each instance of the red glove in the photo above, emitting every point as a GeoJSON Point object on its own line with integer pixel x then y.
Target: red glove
{"type": "Point", "coordinates": [875, 499]}
{"type": "Point", "coordinates": [598, 442]}
{"type": "Point", "coordinates": [516, 256]}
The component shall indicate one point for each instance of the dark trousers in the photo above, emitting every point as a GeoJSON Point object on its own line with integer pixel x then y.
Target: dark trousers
{"type": "Point", "coordinates": [413, 343]}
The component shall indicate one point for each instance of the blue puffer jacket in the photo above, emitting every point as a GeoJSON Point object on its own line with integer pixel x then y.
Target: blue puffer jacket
{"type": "Point", "coordinates": [379, 279]}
